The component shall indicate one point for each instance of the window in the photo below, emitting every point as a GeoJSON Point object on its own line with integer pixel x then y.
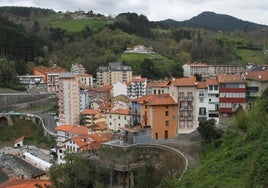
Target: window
{"type": "Point", "coordinates": [166, 113]}
{"type": "Point", "coordinates": [166, 123]}
{"type": "Point", "coordinates": [125, 118]}
{"type": "Point", "coordinates": [189, 95]}
{"type": "Point", "coordinates": [182, 125]}
{"type": "Point", "coordinates": [201, 100]}
{"type": "Point", "coordinates": [210, 87]}
{"type": "Point", "coordinates": [181, 95]}
{"type": "Point", "coordinates": [118, 117]}
{"type": "Point", "coordinates": [201, 93]}
{"type": "Point", "coordinates": [181, 115]}
{"type": "Point", "coordinates": [202, 111]}
{"type": "Point", "coordinates": [216, 87]}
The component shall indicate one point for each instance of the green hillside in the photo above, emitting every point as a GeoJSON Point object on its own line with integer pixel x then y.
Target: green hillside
{"type": "Point", "coordinates": [242, 158]}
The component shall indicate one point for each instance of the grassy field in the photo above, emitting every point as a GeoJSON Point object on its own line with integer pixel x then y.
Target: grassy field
{"type": "Point", "coordinates": [252, 56]}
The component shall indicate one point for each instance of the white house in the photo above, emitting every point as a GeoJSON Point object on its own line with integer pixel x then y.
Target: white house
{"type": "Point", "coordinates": [118, 118]}
{"type": "Point", "coordinates": [119, 88]}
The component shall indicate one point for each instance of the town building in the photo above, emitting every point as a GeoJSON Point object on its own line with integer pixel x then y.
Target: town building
{"type": "Point", "coordinates": [68, 99]}
{"type": "Point", "coordinates": [119, 88]}
{"type": "Point", "coordinates": [51, 77]}
{"type": "Point", "coordinates": [136, 87]}
{"type": "Point", "coordinates": [103, 92]}
{"type": "Point", "coordinates": [85, 80]}
{"type": "Point", "coordinates": [256, 83]}
{"type": "Point", "coordinates": [183, 90]}
{"type": "Point", "coordinates": [118, 118]}
{"type": "Point", "coordinates": [78, 69]}
{"type": "Point", "coordinates": [157, 87]}
{"type": "Point", "coordinates": [215, 70]}
{"type": "Point", "coordinates": [213, 92]}
{"type": "Point", "coordinates": [88, 116]}
{"type": "Point", "coordinates": [160, 113]}
{"type": "Point", "coordinates": [113, 73]}
{"type": "Point", "coordinates": [232, 93]}
{"type": "Point", "coordinates": [195, 68]}
{"type": "Point", "coordinates": [32, 81]}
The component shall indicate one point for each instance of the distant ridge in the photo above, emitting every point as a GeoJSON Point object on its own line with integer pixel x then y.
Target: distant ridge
{"type": "Point", "coordinates": [213, 21]}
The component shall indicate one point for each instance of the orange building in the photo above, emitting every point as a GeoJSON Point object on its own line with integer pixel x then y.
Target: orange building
{"type": "Point", "coordinates": [160, 113]}
{"type": "Point", "coordinates": [50, 75]}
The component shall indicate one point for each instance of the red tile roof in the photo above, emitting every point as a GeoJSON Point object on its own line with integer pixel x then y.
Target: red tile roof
{"type": "Point", "coordinates": [230, 78]}
{"type": "Point", "coordinates": [75, 129]}
{"type": "Point", "coordinates": [157, 84]}
{"type": "Point", "coordinates": [161, 99]}
{"type": "Point", "coordinates": [120, 111]}
{"type": "Point", "coordinates": [99, 126]}
{"type": "Point", "coordinates": [89, 112]}
{"type": "Point", "coordinates": [212, 81]}
{"type": "Point", "coordinates": [184, 82]}
{"type": "Point", "coordinates": [84, 75]}
{"type": "Point", "coordinates": [201, 85]}
{"type": "Point", "coordinates": [256, 75]}
{"type": "Point", "coordinates": [19, 139]}
{"type": "Point", "coordinates": [24, 183]}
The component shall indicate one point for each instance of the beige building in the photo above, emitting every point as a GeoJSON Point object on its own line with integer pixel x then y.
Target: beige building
{"type": "Point", "coordinates": [113, 73]}
{"type": "Point", "coordinates": [68, 99]}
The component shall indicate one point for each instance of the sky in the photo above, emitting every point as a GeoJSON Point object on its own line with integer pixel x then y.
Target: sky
{"type": "Point", "coordinates": [157, 10]}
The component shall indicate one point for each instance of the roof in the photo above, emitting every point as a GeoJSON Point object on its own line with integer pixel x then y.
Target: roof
{"type": "Point", "coordinates": [89, 112]}
{"type": "Point", "coordinates": [99, 126]}
{"type": "Point", "coordinates": [157, 84]}
{"type": "Point", "coordinates": [184, 82]}
{"type": "Point", "coordinates": [19, 139]}
{"type": "Point", "coordinates": [84, 75]}
{"type": "Point", "coordinates": [196, 64]}
{"type": "Point", "coordinates": [212, 81]}
{"type": "Point", "coordinates": [256, 75]}
{"type": "Point", "coordinates": [120, 111]}
{"type": "Point", "coordinates": [138, 78]}
{"type": "Point", "coordinates": [230, 78]}
{"type": "Point", "coordinates": [76, 129]}
{"type": "Point", "coordinates": [201, 85]}
{"type": "Point", "coordinates": [161, 99]}
{"type": "Point", "coordinates": [24, 183]}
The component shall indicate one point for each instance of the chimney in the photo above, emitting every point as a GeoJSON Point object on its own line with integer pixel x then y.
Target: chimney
{"type": "Point", "coordinates": [259, 76]}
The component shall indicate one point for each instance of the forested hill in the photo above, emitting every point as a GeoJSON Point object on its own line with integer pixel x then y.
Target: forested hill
{"type": "Point", "coordinates": [213, 21]}
{"type": "Point", "coordinates": [34, 37]}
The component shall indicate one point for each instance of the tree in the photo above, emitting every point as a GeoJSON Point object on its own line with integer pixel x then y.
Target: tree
{"type": "Point", "coordinates": [76, 172]}
{"type": "Point", "coordinates": [208, 131]}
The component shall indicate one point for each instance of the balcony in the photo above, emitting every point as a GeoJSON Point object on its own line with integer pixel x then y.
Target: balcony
{"type": "Point", "coordinates": [254, 89]}
{"type": "Point", "coordinates": [189, 98]}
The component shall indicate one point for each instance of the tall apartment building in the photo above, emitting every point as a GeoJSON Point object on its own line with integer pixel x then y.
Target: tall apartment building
{"type": "Point", "coordinates": [213, 92]}
{"type": "Point", "coordinates": [68, 99]}
{"type": "Point", "coordinates": [51, 77]}
{"type": "Point", "coordinates": [113, 73]}
{"type": "Point", "coordinates": [78, 69]}
{"type": "Point", "coordinates": [136, 87]}
{"type": "Point", "coordinates": [183, 90]}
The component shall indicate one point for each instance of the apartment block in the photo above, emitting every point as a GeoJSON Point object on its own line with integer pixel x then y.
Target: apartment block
{"type": "Point", "coordinates": [68, 99]}
{"type": "Point", "coordinates": [157, 87]}
{"type": "Point", "coordinates": [136, 87]}
{"type": "Point", "coordinates": [113, 73]}
{"type": "Point", "coordinates": [193, 68]}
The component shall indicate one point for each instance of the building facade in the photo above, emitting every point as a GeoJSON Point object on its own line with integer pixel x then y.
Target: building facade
{"type": "Point", "coordinates": [136, 87]}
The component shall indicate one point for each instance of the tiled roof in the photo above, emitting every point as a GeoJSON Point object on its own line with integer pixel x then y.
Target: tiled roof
{"type": "Point", "coordinates": [230, 78]}
{"type": "Point", "coordinates": [84, 75]}
{"type": "Point", "coordinates": [184, 82]}
{"type": "Point", "coordinates": [138, 79]}
{"type": "Point", "coordinates": [256, 75]}
{"type": "Point", "coordinates": [157, 84]}
{"type": "Point", "coordinates": [212, 81]}
{"type": "Point", "coordinates": [120, 111]}
{"type": "Point", "coordinates": [99, 126]}
{"type": "Point", "coordinates": [161, 99]}
{"type": "Point", "coordinates": [89, 112]}
{"type": "Point", "coordinates": [25, 183]}
{"type": "Point", "coordinates": [76, 129]}
{"type": "Point", "coordinates": [19, 139]}
{"type": "Point", "coordinates": [196, 64]}
{"type": "Point", "coordinates": [201, 85]}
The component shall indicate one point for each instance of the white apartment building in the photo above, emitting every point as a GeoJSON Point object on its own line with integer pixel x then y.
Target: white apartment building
{"type": "Point", "coordinates": [193, 68]}
{"type": "Point", "coordinates": [157, 87]}
{"type": "Point", "coordinates": [119, 89]}
{"type": "Point", "coordinates": [85, 80]}
{"type": "Point", "coordinates": [136, 87]}
{"type": "Point", "coordinates": [213, 92]}
{"type": "Point", "coordinates": [183, 90]}
{"type": "Point", "coordinates": [68, 99]}
{"type": "Point", "coordinates": [118, 118]}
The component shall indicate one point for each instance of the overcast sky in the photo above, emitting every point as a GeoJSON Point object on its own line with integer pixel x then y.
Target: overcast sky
{"type": "Point", "coordinates": [156, 10]}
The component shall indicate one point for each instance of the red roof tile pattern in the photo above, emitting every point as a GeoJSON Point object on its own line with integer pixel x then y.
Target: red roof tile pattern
{"type": "Point", "coordinates": [75, 129]}
{"type": "Point", "coordinates": [212, 81]}
{"type": "Point", "coordinates": [161, 99]}
{"type": "Point", "coordinates": [120, 111]}
{"type": "Point", "coordinates": [256, 75]}
{"type": "Point", "coordinates": [157, 84]}
{"type": "Point", "coordinates": [84, 75]}
{"type": "Point", "coordinates": [25, 183]}
{"type": "Point", "coordinates": [19, 139]}
{"type": "Point", "coordinates": [89, 112]}
{"type": "Point", "coordinates": [184, 82]}
{"type": "Point", "coordinates": [201, 85]}
{"type": "Point", "coordinates": [230, 78]}
{"type": "Point", "coordinates": [99, 126]}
